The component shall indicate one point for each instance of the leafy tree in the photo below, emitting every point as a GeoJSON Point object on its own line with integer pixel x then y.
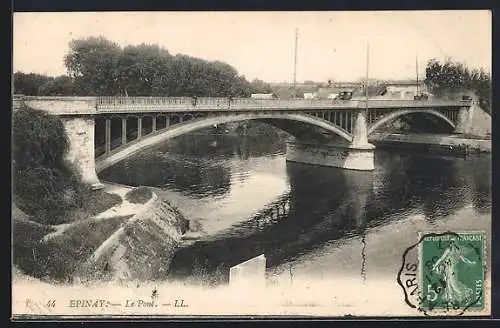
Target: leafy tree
{"type": "Point", "coordinates": [259, 86]}
{"type": "Point", "coordinates": [452, 78]}
{"type": "Point", "coordinates": [97, 66]}
{"type": "Point", "coordinates": [59, 86]}
{"type": "Point", "coordinates": [28, 84]}
{"type": "Point", "coordinates": [94, 64]}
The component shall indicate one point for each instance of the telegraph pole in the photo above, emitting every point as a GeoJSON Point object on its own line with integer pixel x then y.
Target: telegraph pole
{"type": "Point", "coordinates": [416, 68]}
{"type": "Point", "coordinates": [295, 66]}
{"type": "Point", "coordinates": [367, 73]}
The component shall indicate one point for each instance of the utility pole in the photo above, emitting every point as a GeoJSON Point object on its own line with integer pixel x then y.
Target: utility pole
{"type": "Point", "coordinates": [416, 68]}
{"type": "Point", "coordinates": [295, 66]}
{"type": "Point", "coordinates": [367, 73]}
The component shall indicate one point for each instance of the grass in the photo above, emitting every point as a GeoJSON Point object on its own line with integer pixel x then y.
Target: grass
{"type": "Point", "coordinates": [93, 203]}
{"type": "Point", "coordinates": [139, 195]}
{"type": "Point", "coordinates": [202, 276]}
{"type": "Point", "coordinates": [26, 238]}
{"type": "Point", "coordinates": [57, 258]}
{"type": "Point", "coordinates": [96, 202]}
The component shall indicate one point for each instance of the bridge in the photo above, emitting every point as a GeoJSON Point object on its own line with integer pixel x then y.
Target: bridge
{"type": "Point", "coordinates": [106, 130]}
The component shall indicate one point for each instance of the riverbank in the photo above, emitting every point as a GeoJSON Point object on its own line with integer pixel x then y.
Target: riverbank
{"type": "Point", "coordinates": [433, 143]}
{"type": "Point", "coordinates": [110, 245]}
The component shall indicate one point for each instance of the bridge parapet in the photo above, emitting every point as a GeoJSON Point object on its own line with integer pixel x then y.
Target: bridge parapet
{"type": "Point", "coordinates": [94, 105]}
{"type": "Point", "coordinates": [401, 103]}
{"type": "Point", "coordinates": [206, 103]}
{"type": "Point", "coordinates": [125, 104]}
{"type": "Point", "coordinates": [62, 105]}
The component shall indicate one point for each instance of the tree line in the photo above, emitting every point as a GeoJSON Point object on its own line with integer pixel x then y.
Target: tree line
{"type": "Point", "coordinates": [97, 66]}
{"type": "Point", "coordinates": [451, 79]}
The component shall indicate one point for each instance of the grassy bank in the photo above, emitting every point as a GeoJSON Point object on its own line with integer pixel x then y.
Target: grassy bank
{"type": "Point", "coordinates": [139, 195]}
{"type": "Point", "coordinates": [56, 258]}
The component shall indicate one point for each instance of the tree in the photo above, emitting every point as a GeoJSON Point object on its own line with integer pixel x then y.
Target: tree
{"type": "Point", "coordinates": [59, 86]}
{"type": "Point", "coordinates": [28, 84]}
{"type": "Point", "coordinates": [98, 66]}
{"type": "Point", "coordinates": [450, 79]}
{"type": "Point", "coordinates": [94, 64]}
{"type": "Point", "coordinates": [259, 86]}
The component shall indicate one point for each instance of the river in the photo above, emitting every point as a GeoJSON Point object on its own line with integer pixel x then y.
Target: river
{"type": "Point", "coordinates": [310, 222]}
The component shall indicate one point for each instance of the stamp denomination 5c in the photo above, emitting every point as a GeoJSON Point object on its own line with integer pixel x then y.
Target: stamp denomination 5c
{"type": "Point", "coordinates": [452, 271]}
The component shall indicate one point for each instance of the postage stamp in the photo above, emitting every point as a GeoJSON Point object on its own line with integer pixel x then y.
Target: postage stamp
{"type": "Point", "coordinates": [445, 274]}
{"type": "Point", "coordinates": [452, 271]}
{"type": "Point", "coordinates": [244, 164]}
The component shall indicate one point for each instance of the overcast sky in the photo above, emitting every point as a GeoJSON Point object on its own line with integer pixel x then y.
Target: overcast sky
{"type": "Point", "coordinates": [331, 45]}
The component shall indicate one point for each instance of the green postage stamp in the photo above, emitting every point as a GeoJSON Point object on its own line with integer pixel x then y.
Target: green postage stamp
{"type": "Point", "coordinates": [452, 271]}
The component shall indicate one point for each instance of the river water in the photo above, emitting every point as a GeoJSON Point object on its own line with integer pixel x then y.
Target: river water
{"type": "Point", "coordinates": [311, 222]}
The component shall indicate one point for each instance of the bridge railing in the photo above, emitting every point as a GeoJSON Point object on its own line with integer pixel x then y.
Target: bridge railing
{"type": "Point", "coordinates": [113, 102]}
{"type": "Point", "coordinates": [132, 104]}
{"type": "Point", "coordinates": [211, 103]}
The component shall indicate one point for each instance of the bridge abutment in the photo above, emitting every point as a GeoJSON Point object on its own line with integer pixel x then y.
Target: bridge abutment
{"type": "Point", "coordinates": [464, 120]}
{"type": "Point", "coordinates": [80, 131]}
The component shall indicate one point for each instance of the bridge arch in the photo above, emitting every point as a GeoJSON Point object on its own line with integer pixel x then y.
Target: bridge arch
{"type": "Point", "coordinates": [204, 122]}
{"type": "Point", "coordinates": [392, 116]}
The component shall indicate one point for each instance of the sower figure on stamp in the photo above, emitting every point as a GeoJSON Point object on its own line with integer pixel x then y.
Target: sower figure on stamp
{"type": "Point", "coordinates": [446, 265]}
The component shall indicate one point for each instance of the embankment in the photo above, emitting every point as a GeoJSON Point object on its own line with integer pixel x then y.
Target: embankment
{"type": "Point", "coordinates": [134, 239]}
{"type": "Point", "coordinates": [141, 249]}
{"type": "Point", "coordinates": [446, 144]}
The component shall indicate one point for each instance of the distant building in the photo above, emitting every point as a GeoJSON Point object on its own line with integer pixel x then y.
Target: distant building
{"type": "Point", "coordinates": [311, 95]}
{"type": "Point", "coordinates": [264, 96]}
{"type": "Point", "coordinates": [347, 85]}
{"type": "Point", "coordinates": [404, 89]}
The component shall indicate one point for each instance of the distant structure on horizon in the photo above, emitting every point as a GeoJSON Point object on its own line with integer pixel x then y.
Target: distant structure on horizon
{"type": "Point", "coordinates": [386, 89]}
{"type": "Point", "coordinates": [404, 89]}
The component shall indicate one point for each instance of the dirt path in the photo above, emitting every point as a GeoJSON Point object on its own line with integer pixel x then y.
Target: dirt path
{"type": "Point", "coordinates": [123, 209]}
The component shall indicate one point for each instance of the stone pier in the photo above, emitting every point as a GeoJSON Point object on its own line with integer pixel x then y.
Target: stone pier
{"type": "Point", "coordinates": [464, 120]}
{"type": "Point", "coordinates": [358, 155]}
{"type": "Point", "coordinates": [80, 131]}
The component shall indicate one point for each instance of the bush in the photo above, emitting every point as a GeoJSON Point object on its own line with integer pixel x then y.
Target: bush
{"type": "Point", "coordinates": [39, 139]}
{"type": "Point", "coordinates": [57, 258]}
{"type": "Point", "coordinates": [139, 195]}
{"type": "Point", "coordinates": [44, 184]}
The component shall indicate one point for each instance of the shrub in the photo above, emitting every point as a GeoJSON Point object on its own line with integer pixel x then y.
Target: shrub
{"type": "Point", "coordinates": [44, 184]}
{"type": "Point", "coordinates": [139, 195]}
{"type": "Point", "coordinates": [39, 139]}
{"type": "Point", "coordinates": [57, 258]}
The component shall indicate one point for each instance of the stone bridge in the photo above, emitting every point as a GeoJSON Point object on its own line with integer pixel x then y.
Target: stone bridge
{"type": "Point", "coordinates": [106, 130]}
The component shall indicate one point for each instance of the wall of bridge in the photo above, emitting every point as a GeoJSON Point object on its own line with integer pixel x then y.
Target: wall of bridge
{"type": "Point", "coordinates": [80, 131]}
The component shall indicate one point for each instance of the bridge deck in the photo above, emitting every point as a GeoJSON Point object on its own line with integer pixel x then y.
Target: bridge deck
{"type": "Point", "coordinates": [95, 105]}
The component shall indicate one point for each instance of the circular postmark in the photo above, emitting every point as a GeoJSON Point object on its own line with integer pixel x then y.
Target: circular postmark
{"type": "Point", "coordinates": [443, 273]}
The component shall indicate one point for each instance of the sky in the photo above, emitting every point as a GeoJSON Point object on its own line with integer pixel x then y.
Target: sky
{"type": "Point", "coordinates": [331, 45]}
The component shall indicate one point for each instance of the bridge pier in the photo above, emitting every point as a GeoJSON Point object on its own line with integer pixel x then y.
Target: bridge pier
{"type": "Point", "coordinates": [357, 155]}
{"type": "Point", "coordinates": [361, 152]}
{"type": "Point", "coordinates": [80, 132]}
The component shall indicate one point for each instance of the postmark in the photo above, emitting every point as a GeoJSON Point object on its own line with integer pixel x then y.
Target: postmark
{"type": "Point", "coordinates": [444, 273]}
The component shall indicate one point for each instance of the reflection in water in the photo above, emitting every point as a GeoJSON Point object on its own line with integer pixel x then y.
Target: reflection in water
{"type": "Point", "coordinates": [310, 215]}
